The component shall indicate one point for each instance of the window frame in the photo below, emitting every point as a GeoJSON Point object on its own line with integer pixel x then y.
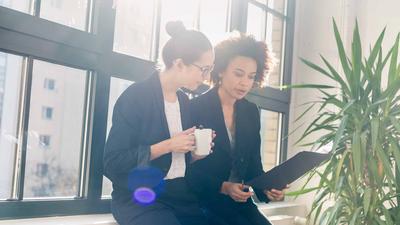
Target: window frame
{"type": "Point", "coordinates": [35, 38]}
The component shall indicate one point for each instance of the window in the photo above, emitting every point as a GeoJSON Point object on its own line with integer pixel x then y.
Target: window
{"type": "Point", "coordinates": [47, 113]}
{"type": "Point", "coordinates": [134, 36]}
{"type": "Point", "coordinates": [214, 19]}
{"type": "Point", "coordinates": [44, 141]}
{"type": "Point", "coordinates": [117, 86]}
{"type": "Point", "coordinates": [72, 13]}
{"type": "Point", "coordinates": [56, 3]}
{"type": "Point", "coordinates": [270, 138]}
{"type": "Point", "coordinates": [269, 25]}
{"type": "Point", "coordinates": [49, 84]}
{"type": "Point", "coordinates": [277, 5]}
{"type": "Point", "coordinates": [137, 37]}
{"type": "Point", "coordinates": [12, 75]}
{"type": "Point", "coordinates": [19, 5]}
{"type": "Point", "coordinates": [256, 21]}
{"type": "Point", "coordinates": [63, 137]}
{"type": "Point", "coordinates": [42, 169]}
{"type": "Point", "coordinates": [183, 10]}
{"type": "Point", "coordinates": [50, 167]}
{"type": "Point", "coordinates": [2, 81]}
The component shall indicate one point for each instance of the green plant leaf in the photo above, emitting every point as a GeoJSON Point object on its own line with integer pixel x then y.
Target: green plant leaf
{"type": "Point", "coordinates": [336, 77]}
{"type": "Point", "coordinates": [301, 192]}
{"type": "Point", "coordinates": [386, 162]}
{"type": "Point", "coordinates": [374, 132]}
{"type": "Point", "coordinates": [396, 152]}
{"type": "Point", "coordinates": [393, 61]}
{"type": "Point", "coordinates": [377, 47]}
{"type": "Point", "coordinates": [339, 133]}
{"type": "Point", "coordinates": [367, 200]}
{"type": "Point", "coordinates": [312, 86]}
{"type": "Point", "coordinates": [356, 59]}
{"type": "Point", "coordinates": [304, 113]}
{"type": "Point", "coordinates": [342, 54]}
{"type": "Point", "coordinates": [356, 214]}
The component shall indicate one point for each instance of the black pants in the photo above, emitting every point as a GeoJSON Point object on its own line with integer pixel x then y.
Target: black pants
{"type": "Point", "coordinates": [157, 214]}
{"type": "Point", "coordinates": [176, 206]}
{"type": "Point", "coordinates": [225, 211]}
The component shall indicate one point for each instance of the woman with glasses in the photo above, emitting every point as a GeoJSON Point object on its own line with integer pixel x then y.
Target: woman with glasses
{"type": "Point", "coordinates": [241, 63]}
{"type": "Point", "coordinates": [151, 138]}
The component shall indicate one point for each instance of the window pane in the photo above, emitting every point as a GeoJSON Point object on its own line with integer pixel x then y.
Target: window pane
{"type": "Point", "coordinates": [172, 10]}
{"type": "Point", "coordinates": [214, 19]}
{"type": "Point", "coordinates": [10, 77]}
{"type": "Point", "coordinates": [72, 13]}
{"type": "Point", "coordinates": [267, 27]}
{"type": "Point", "coordinates": [54, 146]}
{"type": "Point", "coordinates": [270, 138]}
{"type": "Point", "coordinates": [19, 5]}
{"type": "Point", "coordinates": [133, 36]}
{"type": "Point", "coordinates": [277, 5]}
{"type": "Point", "coordinates": [117, 86]}
{"type": "Point", "coordinates": [256, 21]}
{"type": "Point", "coordinates": [275, 36]}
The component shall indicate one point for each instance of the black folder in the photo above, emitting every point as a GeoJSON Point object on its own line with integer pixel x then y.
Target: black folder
{"type": "Point", "coordinates": [289, 171]}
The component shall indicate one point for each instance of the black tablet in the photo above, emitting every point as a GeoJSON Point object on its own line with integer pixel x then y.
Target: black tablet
{"type": "Point", "coordinates": [289, 171]}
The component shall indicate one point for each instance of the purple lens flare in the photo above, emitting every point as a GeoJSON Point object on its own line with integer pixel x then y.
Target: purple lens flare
{"type": "Point", "coordinates": [144, 195]}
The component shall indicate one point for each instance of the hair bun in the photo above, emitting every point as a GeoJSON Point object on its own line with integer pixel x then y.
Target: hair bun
{"type": "Point", "coordinates": [174, 28]}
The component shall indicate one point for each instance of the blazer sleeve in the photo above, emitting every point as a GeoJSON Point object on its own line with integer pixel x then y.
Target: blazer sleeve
{"type": "Point", "coordinates": [201, 182]}
{"type": "Point", "coordinates": [122, 152]}
{"type": "Point", "coordinates": [255, 167]}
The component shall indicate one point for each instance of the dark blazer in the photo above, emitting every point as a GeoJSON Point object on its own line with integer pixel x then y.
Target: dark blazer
{"type": "Point", "coordinates": [207, 175]}
{"type": "Point", "coordinates": [138, 122]}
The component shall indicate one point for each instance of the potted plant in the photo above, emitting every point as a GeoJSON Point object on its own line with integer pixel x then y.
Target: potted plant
{"type": "Point", "coordinates": [363, 175]}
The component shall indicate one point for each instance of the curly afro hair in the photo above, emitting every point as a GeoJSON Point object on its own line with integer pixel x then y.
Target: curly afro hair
{"type": "Point", "coordinates": [242, 45]}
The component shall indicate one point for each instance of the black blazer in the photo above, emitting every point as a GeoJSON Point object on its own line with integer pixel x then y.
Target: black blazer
{"type": "Point", "coordinates": [207, 175]}
{"type": "Point", "coordinates": [138, 122]}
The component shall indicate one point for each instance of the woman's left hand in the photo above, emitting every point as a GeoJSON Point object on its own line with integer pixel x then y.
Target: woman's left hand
{"type": "Point", "coordinates": [276, 195]}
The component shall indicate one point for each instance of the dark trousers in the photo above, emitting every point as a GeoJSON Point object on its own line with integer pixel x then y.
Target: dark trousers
{"type": "Point", "coordinates": [175, 206]}
{"type": "Point", "coordinates": [158, 214]}
{"type": "Point", "coordinates": [224, 211]}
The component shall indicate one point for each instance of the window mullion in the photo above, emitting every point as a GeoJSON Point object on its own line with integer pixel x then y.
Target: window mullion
{"type": "Point", "coordinates": [86, 137]}
{"type": "Point", "coordinates": [20, 159]}
{"type": "Point", "coordinates": [89, 16]}
{"type": "Point", "coordinates": [156, 31]}
{"type": "Point", "coordinates": [36, 7]}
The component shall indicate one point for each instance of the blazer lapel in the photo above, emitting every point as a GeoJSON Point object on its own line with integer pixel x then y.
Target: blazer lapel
{"type": "Point", "coordinates": [159, 103]}
{"type": "Point", "coordinates": [218, 115]}
{"type": "Point", "coordinates": [184, 108]}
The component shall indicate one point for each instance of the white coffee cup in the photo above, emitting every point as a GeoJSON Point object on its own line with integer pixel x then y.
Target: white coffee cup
{"type": "Point", "coordinates": [203, 141]}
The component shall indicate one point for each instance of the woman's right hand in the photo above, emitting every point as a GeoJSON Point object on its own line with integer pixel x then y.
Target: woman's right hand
{"type": "Point", "coordinates": [183, 142]}
{"type": "Point", "coordinates": [235, 191]}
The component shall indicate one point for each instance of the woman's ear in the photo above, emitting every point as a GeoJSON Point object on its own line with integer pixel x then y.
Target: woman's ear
{"type": "Point", "coordinates": [179, 64]}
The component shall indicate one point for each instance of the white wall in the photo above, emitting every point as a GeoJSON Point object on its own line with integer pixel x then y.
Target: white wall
{"type": "Point", "coordinates": [314, 36]}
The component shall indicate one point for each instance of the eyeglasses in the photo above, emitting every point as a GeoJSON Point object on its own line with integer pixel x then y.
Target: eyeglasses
{"type": "Point", "coordinates": [204, 69]}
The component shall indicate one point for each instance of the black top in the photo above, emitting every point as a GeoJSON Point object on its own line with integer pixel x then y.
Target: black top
{"type": "Point", "coordinates": [206, 176]}
{"type": "Point", "coordinates": [138, 122]}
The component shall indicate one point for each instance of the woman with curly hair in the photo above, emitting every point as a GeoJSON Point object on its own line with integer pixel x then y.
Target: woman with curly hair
{"type": "Point", "coordinates": [241, 63]}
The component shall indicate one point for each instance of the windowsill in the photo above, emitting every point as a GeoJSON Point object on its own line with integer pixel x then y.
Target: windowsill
{"type": "Point", "coordinates": [288, 208]}
{"type": "Point", "coordinates": [92, 219]}
{"type": "Point", "coordinates": [276, 212]}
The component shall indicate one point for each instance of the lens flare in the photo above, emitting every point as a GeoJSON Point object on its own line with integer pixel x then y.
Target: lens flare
{"type": "Point", "coordinates": [144, 195]}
